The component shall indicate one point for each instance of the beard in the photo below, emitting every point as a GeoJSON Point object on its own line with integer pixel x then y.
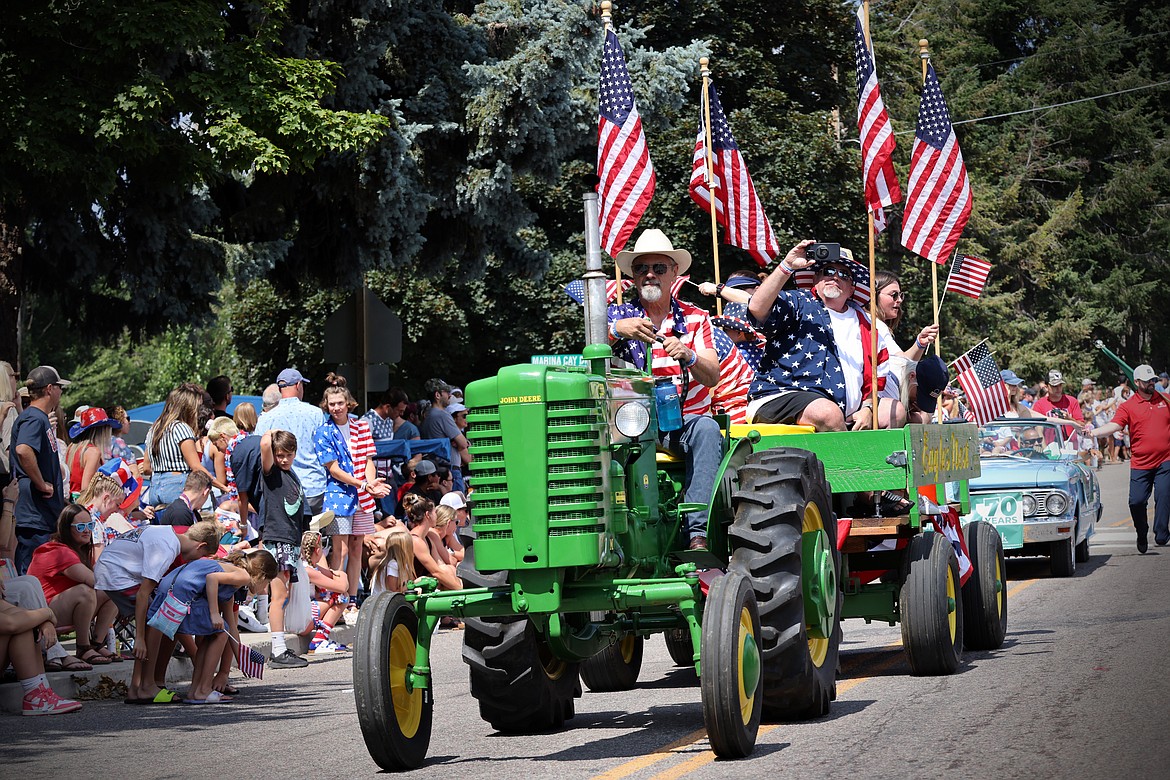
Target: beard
{"type": "Point", "coordinates": [831, 292]}
{"type": "Point", "coordinates": [651, 293]}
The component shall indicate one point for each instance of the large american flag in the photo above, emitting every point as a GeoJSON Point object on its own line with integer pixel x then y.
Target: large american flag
{"type": "Point", "coordinates": [939, 200]}
{"type": "Point", "coordinates": [987, 395]}
{"type": "Point", "coordinates": [877, 137]}
{"type": "Point", "coordinates": [623, 161]}
{"type": "Point", "coordinates": [737, 207]}
{"type": "Point", "coordinates": [968, 275]}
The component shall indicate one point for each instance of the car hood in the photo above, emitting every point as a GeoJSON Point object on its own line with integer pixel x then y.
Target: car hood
{"type": "Point", "coordinates": [1005, 472]}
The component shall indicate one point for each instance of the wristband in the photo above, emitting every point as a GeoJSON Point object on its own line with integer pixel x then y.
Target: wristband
{"type": "Point", "coordinates": [719, 288]}
{"type": "Point", "coordinates": [921, 346]}
{"type": "Point", "coordinates": [694, 359]}
{"type": "Point", "coordinates": [613, 334]}
{"type": "Point", "coordinates": [786, 268]}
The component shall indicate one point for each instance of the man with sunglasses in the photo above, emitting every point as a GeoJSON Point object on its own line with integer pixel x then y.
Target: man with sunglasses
{"type": "Point", "coordinates": [1147, 415]}
{"type": "Point", "coordinates": [817, 363]}
{"type": "Point", "coordinates": [681, 341]}
{"type": "Point", "coordinates": [35, 464]}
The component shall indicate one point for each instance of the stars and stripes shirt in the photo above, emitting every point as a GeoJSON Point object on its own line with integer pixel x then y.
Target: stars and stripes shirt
{"type": "Point", "coordinates": [804, 351]}
{"type": "Point", "coordinates": [691, 325]}
{"type": "Point", "coordinates": [361, 449]}
{"type": "Point", "coordinates": [735, 377]}
{"type": "Point", "coordinates": [350, 453]}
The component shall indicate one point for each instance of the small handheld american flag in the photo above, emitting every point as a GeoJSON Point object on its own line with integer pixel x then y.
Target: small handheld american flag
{"type": "Point", "coordinates": [968, 276]}
{"type": "Point", "coordinates": [980, 379]}
{"type": "Point", "coordinates": [249, 659]}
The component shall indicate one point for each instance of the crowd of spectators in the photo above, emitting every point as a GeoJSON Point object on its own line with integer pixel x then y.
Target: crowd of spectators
{"type": "Point", "coordinates": [210, 522]}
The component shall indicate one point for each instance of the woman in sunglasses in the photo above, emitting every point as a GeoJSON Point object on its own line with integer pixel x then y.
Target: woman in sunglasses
{"type": "Point", "coordinates": [64, 566]}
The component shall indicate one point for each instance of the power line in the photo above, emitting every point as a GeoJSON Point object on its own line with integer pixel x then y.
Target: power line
{"type": "Point", "coordinates": [1066, 50]}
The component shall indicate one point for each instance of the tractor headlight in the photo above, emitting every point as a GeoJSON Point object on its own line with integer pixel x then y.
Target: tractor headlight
{"type": "Point", "coordinates": [1057, 503]}
{"type": "Point", "coordinates": [632, 419]}
{"type": "Point", "coordinates": [1029, 505]}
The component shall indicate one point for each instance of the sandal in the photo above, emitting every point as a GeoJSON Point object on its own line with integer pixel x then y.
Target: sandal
{"type": "Point", "coordinates": [90, 655]}
{"type": "Point", "coordinates": [67, 664]}
{"type": "Point", "coordinates": [229, 690]}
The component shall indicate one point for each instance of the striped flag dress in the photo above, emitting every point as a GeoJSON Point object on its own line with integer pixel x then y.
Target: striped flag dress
{"type": "Point", "coordinates": [361, 449]}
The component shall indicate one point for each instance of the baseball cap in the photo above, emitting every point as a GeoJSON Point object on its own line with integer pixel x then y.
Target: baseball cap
{"type": "Point", "coordinates": [43, 376]}
{"type": "Point", "coordinates": [1055, 378]}
{"type": "Point", "coordinates": [454, 499]}
{"type": "Point", "coordinates": [455, 408]}
{"type": "Point", "coordinates": [1010, 378]}
{"type": "Point", "coordinates": [436, 386]}
{"type": "Point", "coordinates": [931, 373]}
{"type": "Point", "coordinates": [1086, 382]}
{"type": "Point", "coordinates": [1144, 373]}
{"type": "Point", "coordinates": [424, 468]}
{"type": "Point", "coordinates": [289, 377]}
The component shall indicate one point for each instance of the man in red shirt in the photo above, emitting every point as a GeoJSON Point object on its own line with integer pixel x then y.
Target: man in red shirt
{"type": "Point", "coordinates": [1147, 414]}
{"type": "Point", "coordinates": [1056, 403]}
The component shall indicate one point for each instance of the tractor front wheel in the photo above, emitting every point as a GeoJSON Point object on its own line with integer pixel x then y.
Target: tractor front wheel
{"type": "Point", "coordinates": [394, 715]}
{"type": "Point", "coordinates": [932, 606]}
{"type": "Point", "coordinates": [729, 679]}
{"type": "Point", "coordinates": [985, 594]}
{"type": "Point", "coordinates": [616, 667]}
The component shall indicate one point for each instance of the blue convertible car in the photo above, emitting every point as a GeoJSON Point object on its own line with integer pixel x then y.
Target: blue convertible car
{"type": "Point", "coordinates": [1036, 492]}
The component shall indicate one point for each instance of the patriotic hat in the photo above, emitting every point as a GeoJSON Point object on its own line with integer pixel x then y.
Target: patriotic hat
{"type": "Point", "coordinates": [92, 417]}
{"type": "Point", "coordinates": [735, 317]}
{"type": "Point", "coordinates": [806, 277]}
{"type": "Point", "coordinates": [653, 242]}
{"type": "Point", "coordinates": [131, 487]}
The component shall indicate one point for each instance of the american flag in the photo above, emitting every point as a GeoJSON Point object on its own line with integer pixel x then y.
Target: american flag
{"type": "Point", "coordinates": [987, 395]}
{"type": "Point", "coordinates": [877, 137]}
{"type": "Point", "coordinates": [946, 522]}
{"type": "Point", "coordinates": [623, 161]}
{"type": "Point", "coordinates": [968, 275]}
{"type": "Point", "coordinates": [939, 202]}
{"type": "Point", "coordinates": [737, 207]}
{"type": "Point", "coordinates": [250, 660]}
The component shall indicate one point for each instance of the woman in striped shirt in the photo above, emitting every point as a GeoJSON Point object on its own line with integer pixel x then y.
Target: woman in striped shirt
{"type": "Point", "coordinates": [170, 451]}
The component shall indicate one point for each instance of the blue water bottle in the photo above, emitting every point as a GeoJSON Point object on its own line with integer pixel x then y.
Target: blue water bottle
{"type": "Point", "coordinates": [669, 407]}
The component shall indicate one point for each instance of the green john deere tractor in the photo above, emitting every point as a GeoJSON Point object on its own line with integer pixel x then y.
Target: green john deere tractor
{"type": "Point", "coordinates": [579, 557]}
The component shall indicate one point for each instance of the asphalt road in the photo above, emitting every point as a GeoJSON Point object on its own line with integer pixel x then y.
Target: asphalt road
{"type": "Point", "coordinates": [1080, 689]}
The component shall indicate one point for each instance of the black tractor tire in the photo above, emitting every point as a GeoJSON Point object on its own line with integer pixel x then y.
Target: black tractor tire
{"type": "Point", "coordinates": [732, 703]}
{"type": "Point", "coordinates": [931, 606]}
{"type": "Point", "coordinates": [985, 605]}
{"type": "Point", "coordinates": [616, 667]}
{"type": "Point", "coordinates": [520, 686]}
{"type": "Point", "coordinates": [779, 491]}
{"type": "Point", "coordinates": [395, 722]}
{"type": "Point", "coordinates": [680, 647]}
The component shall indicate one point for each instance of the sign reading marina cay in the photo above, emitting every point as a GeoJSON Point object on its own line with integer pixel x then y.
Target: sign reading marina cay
{"type": "Point", "coordinates": [557, 360]}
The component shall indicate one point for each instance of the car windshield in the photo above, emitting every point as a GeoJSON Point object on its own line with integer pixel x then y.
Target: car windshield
{"type": "Point", "coordinates": [1020, 437]}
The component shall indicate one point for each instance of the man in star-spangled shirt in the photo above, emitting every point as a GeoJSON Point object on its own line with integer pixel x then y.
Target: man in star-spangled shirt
{"type": "Point", "coordinates": [817, 359]}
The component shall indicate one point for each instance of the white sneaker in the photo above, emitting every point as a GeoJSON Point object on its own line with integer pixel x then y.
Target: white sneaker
{"type": "Point", "coordinates": [43, 700]}
{"type": "Point", "coordinates": [249, 621]}
{"type": "Point", "coordinates": [350, 616]}
{"type": "Point", "coordinates": [328, 648]}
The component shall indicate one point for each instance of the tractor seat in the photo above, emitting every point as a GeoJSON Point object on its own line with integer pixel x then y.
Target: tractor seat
{"type": "Point", "coordinates": [766, 429]}
{"type": "Point", "coordinates": [662, 456]}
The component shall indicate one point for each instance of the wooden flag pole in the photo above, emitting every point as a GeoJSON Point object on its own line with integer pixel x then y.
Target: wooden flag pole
{"type": "Point", "coordinates": [705, 98]}
{"type": "Point", "coordinates": [607, 21]}
{"type": "Point", "coordinates": [873, 320]}
{"type": "Point", "coordinates": [924, 55]}
{"type": "Point", "coordinates": [943, 297]}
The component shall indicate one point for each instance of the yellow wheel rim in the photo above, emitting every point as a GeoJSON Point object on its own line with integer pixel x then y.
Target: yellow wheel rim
{"type": "Point", "coordinates": [627, 645]}
{"type": "Point", "coordinates": [554, 668]}
{"type": "Point", "coordinates": [408, 703]}
{"type": "Point", "coordinates": [999, 589]}
{"type": "Point", "coordinates": [747, 701]}
{"type": "Point", "coordinates": [818, 649]}
{"type": "Point", "coordinates": [952, 607]}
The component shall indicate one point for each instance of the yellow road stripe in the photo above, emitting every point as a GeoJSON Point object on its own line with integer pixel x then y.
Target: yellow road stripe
{"type": "Point", "coordinates": [640, 763]}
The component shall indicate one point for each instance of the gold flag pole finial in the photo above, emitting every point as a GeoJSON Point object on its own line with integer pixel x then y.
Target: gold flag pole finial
{"type": "Point", "coordinates": [705, 101]}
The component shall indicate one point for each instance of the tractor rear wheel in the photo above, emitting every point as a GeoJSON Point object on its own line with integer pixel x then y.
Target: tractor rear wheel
{"type": "Point", "coordinates": [616, 667]}
{"type": "Point", "coordinates": [784, 539]}
{"type": "Point", "coordinates": [932, 606]}
{"type": "Point", "coordinates": [730, 668]}
{"type": "Point", "coordinates": [521, 686]}
{"type": "Point", "coordinates": [985, 594]}
{"type": "Point", "coordinates": [395, 717]}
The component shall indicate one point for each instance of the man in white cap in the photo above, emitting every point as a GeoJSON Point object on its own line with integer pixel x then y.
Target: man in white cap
{"type": "Point", "coordinates": [300, 419]}
{"type": "Point", "coordinates": [1147, 415]}
{"type": "Point", "coordinates": [36, 466]}
{"type": "Point", "coordinates": [681, 345]}
{"type": "Point", "coordinates": [1056, 403]}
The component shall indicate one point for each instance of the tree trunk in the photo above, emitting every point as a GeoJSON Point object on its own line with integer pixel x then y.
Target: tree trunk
{"type": "Point", "coordinates": [11, 284]}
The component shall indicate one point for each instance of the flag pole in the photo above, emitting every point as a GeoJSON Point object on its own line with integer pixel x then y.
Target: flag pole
{"type": "Point", "coordinates": [873, 336]}
{"type": "Point", "coordinates": [942, 297]}
{"type": "Point", "coordinates": [706, 103]}
{"type": "Point", "coordinates": [924, 55]}
{"type": "Point", "coordinates": [607, 22]}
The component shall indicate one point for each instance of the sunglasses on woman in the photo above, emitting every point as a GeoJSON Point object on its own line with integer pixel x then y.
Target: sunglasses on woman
{"type": "Point", "coordinates": [839, 273]}
{"type": "Point", "coordinates": [895, 296]}
{"type": "Point", "coordinates": [658, 268]}
{"type": "Point", "coordinates": [82, 527]}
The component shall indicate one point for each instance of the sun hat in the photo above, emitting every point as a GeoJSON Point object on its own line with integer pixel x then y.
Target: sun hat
{"type": "Point", "coordinates": [806, 278]}
{"type": "Point", "coordinates": [92, 417]}
{"type": "Point", "coordinates": [43, 376]}
{"type": "Point", "coordinates": [653, 242]}
{"type": "Point", "coordinates": [289, 377]}
{"type": "Point", "coordinates": [131, 487]}
{"type": "Point", "coordinates": [321, 520]}
{"type": "Point", "coordinates": [735, 317]}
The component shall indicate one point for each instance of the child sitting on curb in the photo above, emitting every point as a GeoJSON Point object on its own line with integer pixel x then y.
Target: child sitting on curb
{"type": "Point", "coordinates": [329, 585]}
{"type": "Point", "coordinates": [23, 632]}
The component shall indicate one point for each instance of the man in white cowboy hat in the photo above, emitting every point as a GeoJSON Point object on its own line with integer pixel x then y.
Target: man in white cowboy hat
{"type": "Point", "coordinates": [817, 361]}
{"type": "Point", "coordinates": [681, 341]}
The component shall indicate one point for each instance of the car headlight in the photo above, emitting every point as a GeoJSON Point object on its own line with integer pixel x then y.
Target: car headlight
{"type": "Point", "coordinates": [1029, 505]}
{"type": "Point", "coordinates": [1056, 504]}
{"type": "Point", "coordinates": [632, 419]}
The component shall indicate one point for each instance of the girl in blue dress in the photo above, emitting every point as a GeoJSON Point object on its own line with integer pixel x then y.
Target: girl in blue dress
{"type": "Point", "coordinates": [210, 587]}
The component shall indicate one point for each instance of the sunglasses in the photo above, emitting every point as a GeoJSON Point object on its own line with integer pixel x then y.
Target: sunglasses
{"type": "Point", "coordinates": [840, 273]}
{"type": "Point", "coordinates": [658, 268]}
{"type": "Point", "coordinates": [82, 527]}
{"type": "Point", "coordinates": [896, 296]}
{"type": "Point", "coordinates": [1033, 441]}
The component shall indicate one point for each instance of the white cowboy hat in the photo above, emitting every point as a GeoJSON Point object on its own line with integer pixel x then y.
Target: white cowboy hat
{"type": "Point", "coordinates": [653, 242]}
